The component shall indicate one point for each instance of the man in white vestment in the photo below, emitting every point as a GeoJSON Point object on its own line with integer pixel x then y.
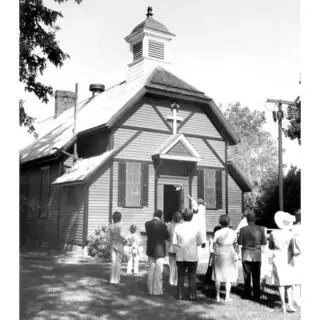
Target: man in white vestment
{"type": "Point", "coordinates": [199, 218]}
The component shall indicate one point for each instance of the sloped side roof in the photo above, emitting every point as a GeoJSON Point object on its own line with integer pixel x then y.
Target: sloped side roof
{"type": "Point", "coordinates": [83, 169]}
{"type": "Point", "coordinates": [238, 177]}
{"type": "Point", "coordinates": [94, 112]}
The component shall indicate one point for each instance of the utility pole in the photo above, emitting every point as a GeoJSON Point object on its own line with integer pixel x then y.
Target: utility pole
{"type": "Point", "coordinates": [75, 152]}
{"type": "Point", "coordinates": [278, 116]}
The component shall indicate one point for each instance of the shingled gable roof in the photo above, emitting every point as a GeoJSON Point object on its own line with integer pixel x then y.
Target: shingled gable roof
{"type": "Point", "coordinates": [238, 177]}
{"type": "Point", "coordinates": [106, 108]}
{"type": "Point", "coordinates": [163, 152]}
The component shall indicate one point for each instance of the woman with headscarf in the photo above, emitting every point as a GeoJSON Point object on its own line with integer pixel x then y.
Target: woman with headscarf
{"type": "Point", "coordinates": [280, 243]}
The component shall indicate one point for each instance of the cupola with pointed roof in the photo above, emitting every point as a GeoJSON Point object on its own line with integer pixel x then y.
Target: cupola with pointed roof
{"type": "Point", "coordinates": [149, 46]}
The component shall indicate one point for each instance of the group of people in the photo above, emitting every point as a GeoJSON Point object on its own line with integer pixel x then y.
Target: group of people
{"type": "Point", "coordinates": [184, 235]}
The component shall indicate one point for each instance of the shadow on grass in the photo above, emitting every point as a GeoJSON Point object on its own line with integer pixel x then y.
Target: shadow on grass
{"type": "Point", "coordinates": [269, 295]}
{"type": "Point", "coordinates": [49, 290]}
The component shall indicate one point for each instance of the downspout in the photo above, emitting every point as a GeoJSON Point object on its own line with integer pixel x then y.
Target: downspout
{"type": "Point", "coordinates": [75, 152]}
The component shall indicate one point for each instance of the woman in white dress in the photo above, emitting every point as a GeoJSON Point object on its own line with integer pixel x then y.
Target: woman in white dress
{"type": "Point", "coordinates": [224, 257]}
{"type": "Point", "coordinates": [280, 243]}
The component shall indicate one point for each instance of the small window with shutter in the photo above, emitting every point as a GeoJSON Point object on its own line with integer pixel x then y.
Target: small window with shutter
{"type": "Point", "coordinates": [133, 184]}
{"type": "Point", "coordinates": [210, 187]}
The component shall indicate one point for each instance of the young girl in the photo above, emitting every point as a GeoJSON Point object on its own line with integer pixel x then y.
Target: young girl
{"type": "Point", "coordinates": [114, 233]}
{"type": "Point", "coordinates": [133, 242]}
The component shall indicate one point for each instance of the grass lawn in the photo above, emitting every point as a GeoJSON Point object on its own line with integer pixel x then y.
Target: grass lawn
{"type": "Point", "coordinates": [53, 290]}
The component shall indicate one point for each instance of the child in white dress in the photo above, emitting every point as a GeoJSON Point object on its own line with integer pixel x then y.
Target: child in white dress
{"type": "Point", "coordinates": [133, 242]}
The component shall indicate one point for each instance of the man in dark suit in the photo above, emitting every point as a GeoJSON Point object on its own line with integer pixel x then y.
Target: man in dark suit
{"type": "Point", "coordinates": [157, 234]}
{"type": "Point", "coordinates": [251, 238]}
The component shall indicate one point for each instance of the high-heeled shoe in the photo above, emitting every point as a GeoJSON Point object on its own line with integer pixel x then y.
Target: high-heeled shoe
{"type": "Point", "coordinates": [291, 308]}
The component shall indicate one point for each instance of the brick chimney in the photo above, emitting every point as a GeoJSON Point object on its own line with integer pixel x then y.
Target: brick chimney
{"type": "Point", "coordinates": [64, 100]}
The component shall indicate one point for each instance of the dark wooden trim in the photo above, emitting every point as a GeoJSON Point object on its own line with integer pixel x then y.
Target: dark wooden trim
{"type": "Point", "coordinates": [185, 120]}
{"type": "Point", "coordinates": [155, 189]}
{"type": "Point", "coordinates": [85, 213]}
{"type": "Point", "coordinates": [135, 135]}
{"type": "Point", "coordinates": [161, 117]}
{"type": "Point", "coordinates": [144, 129]}
{"type": "Point", "coordinates": [191, 135]}
{"type": "Point", "coordinates": [214, 152]}
{"type": "Point", "coordinates": [111, 193]}
{"type": "Point", "coordinates": [174, 95]}
{"type": "Point", "coordinates": [208, 167]}
{"type": "Point", "coordinates": [226, 178]}
{"type": "Point", "coordinates": [132, 160]}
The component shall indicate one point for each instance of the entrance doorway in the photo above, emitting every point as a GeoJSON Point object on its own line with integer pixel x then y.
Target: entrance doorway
{"type": "Point", "coordinates": [172, 200]}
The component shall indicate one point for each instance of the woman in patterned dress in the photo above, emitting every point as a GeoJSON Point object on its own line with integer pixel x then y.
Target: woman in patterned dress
{"type": "Point", "coordinates": [225, 257]}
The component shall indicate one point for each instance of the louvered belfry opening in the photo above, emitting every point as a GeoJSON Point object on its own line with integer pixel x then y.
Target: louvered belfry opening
{"type": "Point", "coordinates": [156, 49]}
{"type": "Point", "coordinates": [137, 50]}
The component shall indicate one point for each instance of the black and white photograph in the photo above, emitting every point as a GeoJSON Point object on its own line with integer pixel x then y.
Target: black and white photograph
{"type": "Point", "coordinates": [159, 160]}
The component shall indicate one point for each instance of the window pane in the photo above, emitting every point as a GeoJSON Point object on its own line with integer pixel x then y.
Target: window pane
{"type": "Point", "coordinates": [209, 188]}
{"type": "Point", "coordinates": [133, 184]}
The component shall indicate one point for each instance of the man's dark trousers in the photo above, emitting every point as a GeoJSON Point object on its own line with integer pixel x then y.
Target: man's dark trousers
{"type": "Point", "coordinates": [251, 268]}
{"type": "Point", "coordinates": [191, 267]}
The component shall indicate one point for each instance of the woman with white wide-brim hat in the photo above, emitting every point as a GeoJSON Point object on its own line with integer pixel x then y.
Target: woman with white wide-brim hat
{"type": "Point", "coordinates": [280, 243]}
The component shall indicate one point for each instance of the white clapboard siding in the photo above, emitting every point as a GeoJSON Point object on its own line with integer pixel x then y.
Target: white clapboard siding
{"type": "Point", "coordinates": [71, 225]}
{"type": "Point", "coordinates": [146, 117]}
{"type": "Point", "coordinates": [219, 148]}
{"type": "Point", "coordinates": [208, 158]}
{"type": "Point", "coordinates": [200, 124]}
{"type": "Point", "coordinates": [235, 201]}
{"type": "Point", "coordinates": [143, 146]}
{"type": "Point", "coordinates": [165, 109]}
{"type": "Point", "coordinates": [137, 216]}
{"type": "Point", "coordinates": [121, 136]}
{"type": "Point", "coordinates": [98, 204]}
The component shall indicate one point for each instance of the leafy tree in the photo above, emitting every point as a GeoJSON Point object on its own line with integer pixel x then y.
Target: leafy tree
{"type": "Point", "coordinates": [294, 116]}
{"type": "Point", "coordinates": [38, 46]}
{"type": "Point", "coordinates": [256, 154]}
{"type": "Point", "coordinates": [268, 203]}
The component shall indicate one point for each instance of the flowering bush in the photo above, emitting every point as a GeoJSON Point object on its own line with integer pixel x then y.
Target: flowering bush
{"type": "Point", "coordinates": [99, 243]}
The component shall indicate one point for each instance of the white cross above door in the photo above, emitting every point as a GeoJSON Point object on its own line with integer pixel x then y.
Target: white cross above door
{"type": "Point", "coordinates": [174, 118]}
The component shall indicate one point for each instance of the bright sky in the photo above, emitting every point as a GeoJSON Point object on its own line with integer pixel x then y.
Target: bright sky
{"type": "Point", "coordinates": [232, 50]}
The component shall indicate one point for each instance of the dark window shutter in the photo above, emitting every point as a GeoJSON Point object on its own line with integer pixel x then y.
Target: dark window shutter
{"type": "Point", "coordinates": [122, 172]}
{"type": "Point", "coordinates": [219, 189]}
{"type": "Point", "coordinates": [200, 184]}
{"type": "Point", "coordinates": [144, 184]}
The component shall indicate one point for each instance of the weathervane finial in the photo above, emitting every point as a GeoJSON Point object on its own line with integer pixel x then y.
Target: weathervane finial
{"type": "Point", "coordinates": [149, 12]}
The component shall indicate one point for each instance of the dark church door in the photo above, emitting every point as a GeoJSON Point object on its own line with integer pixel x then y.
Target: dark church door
{"type": "Point", "coordinates": [173, 198]}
